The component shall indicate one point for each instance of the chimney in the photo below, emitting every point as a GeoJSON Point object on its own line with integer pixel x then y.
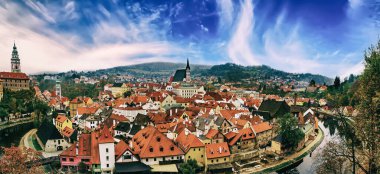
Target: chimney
{"type": "Point", "coordinates": [130, 144]}
{"type": "Point", "coordinates": [176, 110]}
{"type": "Point", "coordinates": [220, 149]}
{"type": "Point", "coordinates": [171, 112]}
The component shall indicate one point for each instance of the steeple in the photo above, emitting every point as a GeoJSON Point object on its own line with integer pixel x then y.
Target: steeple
{"type": "Point", "coordinates": [188, 65]}
{"type": "Point", "coordinates": [15, 60]}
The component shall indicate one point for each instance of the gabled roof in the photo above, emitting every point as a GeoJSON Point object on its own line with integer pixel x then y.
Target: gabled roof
{"type": "Point", "coordinates": [105, 136]}
{"type": "Point", "coordinates": [186, 140]}
{"type": "Point", "coordinates": [61, 118]}
{"type": "Point", "coordinates": [123, 126]}
{"type": "Point", "coordinates": [121, 148]}
{"type": "Point", "coordinates": [95, 158]}
{"type": "Point", "coordinates": [211, 133]}
{"type": "Point", "coordinates": [149, 142]}
{"type": "Point", "coordinates": [274, 107]}
{"type": "Point", "coordinates": [217, 150]}
{"type": "Point", "coordinates": [244, 134]}
{"type": "Point", "coordinates": [47, 131]}
{"type": "Point", "coordinates": [87, 110]}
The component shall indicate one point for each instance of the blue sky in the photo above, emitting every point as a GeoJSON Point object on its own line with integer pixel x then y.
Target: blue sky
{"type": "Point", "coordinates": [326, 37]}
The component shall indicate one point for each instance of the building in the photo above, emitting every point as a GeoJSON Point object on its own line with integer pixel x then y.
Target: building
{"type": "Point", "coordinates": [50, 139]}
{"type": "Point", "coordinates": [182, 75]}
{"type": "Point", "coordinates": [154, 148]}
{"type": "Point", "coordinates": [218, 157]}
{"type": "Point", "coordinates": [187, 91]}
{"type": "Point", "coordinates": [192, 146]}
{"type": "Point", "coordinates": [74, 104]}
{"type": "Point", "coordinates": [61, 122]}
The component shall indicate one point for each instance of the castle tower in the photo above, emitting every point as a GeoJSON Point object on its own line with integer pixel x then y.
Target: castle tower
{"type": "Point", "coordinates": [15, 61]}
{"type": "Point", "coordinates": [188, 77]}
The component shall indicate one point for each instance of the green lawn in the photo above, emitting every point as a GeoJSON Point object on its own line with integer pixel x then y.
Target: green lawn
{"type": "Point", "coordinates": [36, 146]}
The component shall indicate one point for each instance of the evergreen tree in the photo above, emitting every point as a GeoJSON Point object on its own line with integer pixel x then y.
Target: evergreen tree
{"type": "Point", "coordinates": [312, 83]}
{"type": "Point", "coordinates": [337, 82]}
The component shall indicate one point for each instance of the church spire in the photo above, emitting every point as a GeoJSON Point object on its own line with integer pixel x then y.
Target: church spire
{"type": "Point", "coordinates": [188, 65]}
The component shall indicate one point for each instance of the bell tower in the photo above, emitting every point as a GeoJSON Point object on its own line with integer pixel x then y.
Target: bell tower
{"type": "Point", "coordinates": [15, 60]}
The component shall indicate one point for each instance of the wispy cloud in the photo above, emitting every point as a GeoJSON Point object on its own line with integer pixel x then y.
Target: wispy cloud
{"type": "Point", "coordinates": [239, 47]}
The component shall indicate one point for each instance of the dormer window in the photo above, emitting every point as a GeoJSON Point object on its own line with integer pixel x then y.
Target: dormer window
{"type": "Point", "coordinates": [151, 149]}
{"type": "Point", "coordinates": [172, 148]}
{"type": "Point", "coordinates": [161, 149]}
{"type": "Point", "coordinates": [158, 139]}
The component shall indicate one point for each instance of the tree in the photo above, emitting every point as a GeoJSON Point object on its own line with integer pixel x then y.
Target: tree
{"type": "Point", "coordinates": [331, 160]}
{"type": "Point", "coordinates": [190, 167]}
{"type": "Point", "coordinates": [289, 131]}
{"type": "Point", "coordinates": [127, 94]}
{"type": "Point", "coordinates": [337, 82]}
{"type": "Point", "coordinates": [367, 123]}
{"type": "Point", "coordinates": [312, 83]}
{"type": "Point", "coordinates": [16, 160]}
{"type": "Point", "coordinates": [82, 167]}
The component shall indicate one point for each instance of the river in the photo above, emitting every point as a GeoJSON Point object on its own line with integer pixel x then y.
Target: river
{"type": "Point", "coordinates": [9, 139]}
{"type": "Point", "coordinates": [308, 164]}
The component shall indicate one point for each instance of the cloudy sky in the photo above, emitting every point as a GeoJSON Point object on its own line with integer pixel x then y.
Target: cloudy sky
{"type": "Point", "coordinates": [327, 37]}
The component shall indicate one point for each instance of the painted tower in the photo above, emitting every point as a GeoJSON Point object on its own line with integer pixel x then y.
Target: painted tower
{"type": "Point", "coordinates": [15, 61]}
{"type": "Point", "coordinates": [188, 78]}
{"type": "Point", "coordinates": [106, 151]}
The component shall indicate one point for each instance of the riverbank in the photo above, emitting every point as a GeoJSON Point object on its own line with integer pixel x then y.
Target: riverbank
{"type": "Point", "coordinates": [289, 160]}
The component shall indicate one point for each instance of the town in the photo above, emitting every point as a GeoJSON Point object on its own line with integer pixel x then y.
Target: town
{"type": "Point", "coordinates": [179, 124]}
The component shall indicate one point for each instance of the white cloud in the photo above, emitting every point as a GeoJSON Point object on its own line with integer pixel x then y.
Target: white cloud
{"type": "Point", "coordinates": [226, 9]}
{"type": "Point", "coordinates": [40, 8]}
{"type": "Point", "coordinates": [239, 47]}
{"type": "Point", "coordinates": [57, 51]}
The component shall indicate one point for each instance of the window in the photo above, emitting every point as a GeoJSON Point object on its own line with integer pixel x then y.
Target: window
{"type": "Point", "coordinates": [107, 150]}
{"type": "Point", "coordinates": [108, 165]}
{"type": "Point", "coordinates": [71, 159]}
{"type": "Point", "coordinates": [194, 150]}
{"type": "Point", "coordinates": [146, 160]}
{"type": "Point", "coordinates": [161, 149]}
{"type": "Point", "coordinates": [217, 160]}
{"type": "Point", "coordinates": [107, 158]}
{"type": "Point", "coordinates": [155, 159]}
{"type": "Point", "coordinates": [127, 157]}
{"type": "Point", "coordinates": [189, 157]}
{"type": "Point", "coordinates": [151, 149]}
{"type": "Point", "coordinates": [63, 159]}
{"type": "Point", "coordinates": [212, 161]}
{"type": "Point", "coordinates": [225, 159]}
{"type": "Point", "coordinates": [201, 156]}
{"type": "Point", "coordinates": [199, 149]}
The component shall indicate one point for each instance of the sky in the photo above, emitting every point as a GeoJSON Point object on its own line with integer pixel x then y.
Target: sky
{"type": "Point", "coordinates": [326, 37]}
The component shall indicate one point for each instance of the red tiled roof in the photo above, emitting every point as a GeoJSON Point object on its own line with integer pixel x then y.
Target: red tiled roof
{"type": "Point", "coordinates": [230, 135]}
{"type": "Point", "coordinates": [188, 140]}
{"type": "Point", "coordinates": [12, 75]}
{"type": "Point", "coordinates": [149, 142]}
{"type": "Point", "coordinates": [95, 159]}
{"type": "Point", "coordinates": [84, 146]}
{"type": "Point", "coordinates": [244, 134]}
{"type": "Point", "coordinates": [67, 132]}
{"type": "Point", "coordinates": [61, 118]}
{"type": "Point", "coordinates": [120, 149]}
{"type": "Point", "coordinates": [87, 110]}
{"type": "Point", "coordinates": [105, 136]}
{"type": "Point", "coordinates": [217, 150]}
{"type": "Point", "coordinates": [261, 127]}
{"type": "Point", "coordinates": [211, 133]}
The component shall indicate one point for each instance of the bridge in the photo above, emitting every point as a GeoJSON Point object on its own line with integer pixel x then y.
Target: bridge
{"type": "Point", "coordinates": [42, 161]}
{"type": "Point", "coordinates": [15, 123]}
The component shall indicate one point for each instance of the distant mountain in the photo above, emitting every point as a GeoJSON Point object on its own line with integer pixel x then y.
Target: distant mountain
{"type": "Point", "coordinates": [153, 68]}
{"type": "Point", "coordinates": [229, 72]}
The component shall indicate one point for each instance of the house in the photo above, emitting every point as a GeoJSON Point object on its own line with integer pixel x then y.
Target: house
{"type": "Point", "coordinates": [50, 139]}
{"type": "Point", "coordinates": [154, 148]}
{"type": "Point", "coordinates": [191, 146]}
{"type": "Point", "coordinates": [61, 122]}
{"type": "Point", "coordinates": [122, 129]}
{"type": "Point", "coordinates": [14, 81]}
{"type": "Point", "coordinates": [78, 152]}
{"type": "Point", "coordinates": [74, 104]}
{"type": "Point", "coordinates": [263, 133]}
{"type": "Point", "coordinates": [218, 157]}
{"type": "Point", "coordinates": [243, 140]}
{"type": "Point", "coordinates": [214, 136]}
{"type": "Point", "coordinates": [129, 112]}
{"type": "Point", "coordinates": [118, 89]}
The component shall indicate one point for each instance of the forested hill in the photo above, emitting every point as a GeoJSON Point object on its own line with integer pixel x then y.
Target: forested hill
{"type": "Point", "coordinates": [233, 72]}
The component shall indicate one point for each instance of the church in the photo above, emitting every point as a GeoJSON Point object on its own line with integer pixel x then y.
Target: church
{"type": "Point", "coordinates": [182, 75]}
{"type": "Point", "coordinates": [14, 80]}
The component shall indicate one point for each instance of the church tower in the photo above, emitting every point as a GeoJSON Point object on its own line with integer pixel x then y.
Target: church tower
{"type": "Point", "coordinates": [188, 78]}
{"type": "Point", "coordinates": [15, 61]}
